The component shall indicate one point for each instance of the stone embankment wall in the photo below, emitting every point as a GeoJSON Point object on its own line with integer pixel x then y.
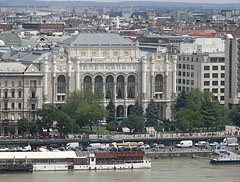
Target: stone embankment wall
{"type": "Point", "coordinates": [156, 155]}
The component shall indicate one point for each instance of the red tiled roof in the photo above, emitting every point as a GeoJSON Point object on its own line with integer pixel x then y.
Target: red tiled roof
{"type": "Point", "coordinates": [197, 33]}
{"type": "Point", "coordinates": [236, 34]}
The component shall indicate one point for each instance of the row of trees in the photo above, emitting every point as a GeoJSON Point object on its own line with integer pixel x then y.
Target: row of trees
{"type": "Point", "coordinates": [82, 109]}
{"type": "Point", "coordinates": [191, 110]}
{"type": "Point", "coordinates": [137, 120]}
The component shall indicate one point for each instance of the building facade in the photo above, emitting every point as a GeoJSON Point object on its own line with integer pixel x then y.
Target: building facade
{"type": "Point", "coordinates": [109, 64]}
{"type": "Point", "coordinates": [232, 55]}
{"type": "Point", "coordinates": [20, 94]}
{"type": "Point", "coordinates": [201, 64]}
{"type": "Point", "coordinates": [103, 63]}
{"type": "Point", "coordinates": [202, 71]}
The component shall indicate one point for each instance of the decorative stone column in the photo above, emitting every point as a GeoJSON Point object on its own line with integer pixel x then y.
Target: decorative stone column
{"type": "Point", "coordinates": [77, 70]}
{"type": "Point", "coordinates": [144, 75]}
{"type": "Point", "coordinates": [45, 78]}
{"type": "Point", "coordinates": [152, 76]}
{"type": "Point", "coordinates": [174, 72]}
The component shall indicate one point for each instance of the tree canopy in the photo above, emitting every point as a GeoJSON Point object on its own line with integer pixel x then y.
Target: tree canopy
{"type": "Point", "coordinates": [85, 108]}
{"type": "Point", "coordinates": [134, 123]}
{"type": "Point", "coordinates": [138, 109]}
{"type": "Point", "coordinates": [152, 114]}
{"type": "Point", "coordinates": [198, 109]}
{"type": "Point", "coordinates": [112, 112]}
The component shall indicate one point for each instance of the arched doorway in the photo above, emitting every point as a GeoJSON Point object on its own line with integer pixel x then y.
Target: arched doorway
{"type": "Point", "coordinates": [120, 111]}
{"type": "Point", "coordinates": [130, 110]}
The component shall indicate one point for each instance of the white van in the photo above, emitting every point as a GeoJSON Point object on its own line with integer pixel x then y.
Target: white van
{"type": "Point", "coordinates": [185, 144]}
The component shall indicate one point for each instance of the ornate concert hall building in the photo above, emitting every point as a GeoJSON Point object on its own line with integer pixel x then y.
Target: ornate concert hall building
{"type": "Point", "coordinates": [108, 64]}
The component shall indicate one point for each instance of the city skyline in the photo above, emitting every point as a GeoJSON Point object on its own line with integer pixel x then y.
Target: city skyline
{"type": "Point", "coordinates": [184, 1]}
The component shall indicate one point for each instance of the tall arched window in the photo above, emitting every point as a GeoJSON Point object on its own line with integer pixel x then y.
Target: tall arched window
{"type": "Point", "coordinates": [109, 87]}
{"type": "Point", "coordinates": [131, 87]}
{"type": "Point", "coordinates": [159, 83]}
{"type": "Point", "coordinates": [98, 87]}
{"type": "Point", "coordinates": [61, 84]}
{"type": "Point", "coordinates": [120, 87]}
{"type": "Point", "coordinates": [87, 83]}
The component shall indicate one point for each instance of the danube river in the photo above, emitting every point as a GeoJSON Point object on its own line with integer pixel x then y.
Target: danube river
{"type": "Point", "coordinates": [166, 170]}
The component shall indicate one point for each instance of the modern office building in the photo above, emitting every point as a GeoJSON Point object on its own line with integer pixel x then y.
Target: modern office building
{"type": "Point", "coordinates": [201, 64]}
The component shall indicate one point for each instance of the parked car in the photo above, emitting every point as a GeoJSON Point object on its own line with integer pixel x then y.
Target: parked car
{"type": "Point", "coordinates": [202, 144]}
{"type": "Point", "coordinates": [154, 145]}
{"type": "Point", "coordinates": [214, 144]}
{"type": "Point", "coordinates": [185, 144]}
{"type": "Point", "coordinates": [145, 146]}
{"type": "Point", "coordinates": [160, 146]}
{"type": "Point", "coordinates": [4, 149]}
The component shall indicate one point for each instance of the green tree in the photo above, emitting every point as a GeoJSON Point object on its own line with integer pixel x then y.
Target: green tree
{"type": "Point", "coordinates": [152, 114]}
{"type": "Point", "coordinates": [23, 126]}
{"type": "Point", "coordinates": [234, 115]}
{"type": "Point", "coordinates": [112, 126]}
{"type": "Point", "coordinates": [158, 127]}
{"type": "Point", "coordinates": [76, 128]}
{"type": "Point", "coordinates": [199, 109]}
{"type": "Point", "coordinates": [64, 123]}
{"type": "Point", "coordinates": [112, 112]}
{"type": "Point", "coordinates": [180, 102]}
{"type": "Point", "coordinates": [33, 128]}
{"type": "Point", "coordinates": [85, 108]}
{"type": "Point", "coordinates": [11, 130]}
{"type": "Point", "coordinates": [138, 109]}
{"type": "Point", "coordinates": [134, 123]}
{"type": "Point", "coordinates": [47, 117]}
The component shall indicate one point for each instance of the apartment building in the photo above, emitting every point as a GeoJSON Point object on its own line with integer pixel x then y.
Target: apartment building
{"type": "Point", "coordinates": [20, 94]}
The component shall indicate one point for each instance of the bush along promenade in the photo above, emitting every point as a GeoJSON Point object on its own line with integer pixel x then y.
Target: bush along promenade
{"type": "Point", "coordinates": [83, 114]}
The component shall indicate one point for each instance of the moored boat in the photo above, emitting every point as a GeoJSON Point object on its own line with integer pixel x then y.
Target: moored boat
{"type": "Point", "coordinates": [77, 160]}
{"type": "Point", "coordinates": [225, 157]}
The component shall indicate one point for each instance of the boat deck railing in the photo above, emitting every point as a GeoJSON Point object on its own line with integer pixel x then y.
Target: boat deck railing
{"type": "Point", "coordinates": [119, 162]}
{"type": "Point", "coordinates": [227, 155]}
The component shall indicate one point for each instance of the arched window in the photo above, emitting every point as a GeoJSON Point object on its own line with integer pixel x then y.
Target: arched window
{"type": "Point", "coordinates": [131, 87]}
{"type": "Point", "coordinates": [159, 83]}
{"type": "Point", "coordinates": [130, 110]}
{"type": "Point", "coordinates": [61, 84]}
{"type": "Point", "coordinates": [87, 83]}
{"type": "Point", "coordinates": [120, 87]}
{"type": "Point", "coordinates": [109, 87]}
{"type": "Point", "coordinates": [98, 87]}
{"type": "Point", "coordinates": [120, 111]}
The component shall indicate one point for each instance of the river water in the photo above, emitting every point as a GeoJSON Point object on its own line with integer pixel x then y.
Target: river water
{"type": "Point", "coordinates": [165, 170]}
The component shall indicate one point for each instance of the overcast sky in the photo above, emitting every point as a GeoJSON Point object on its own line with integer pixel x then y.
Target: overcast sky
{"type": "Point", "coordinates": [188, 1]}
